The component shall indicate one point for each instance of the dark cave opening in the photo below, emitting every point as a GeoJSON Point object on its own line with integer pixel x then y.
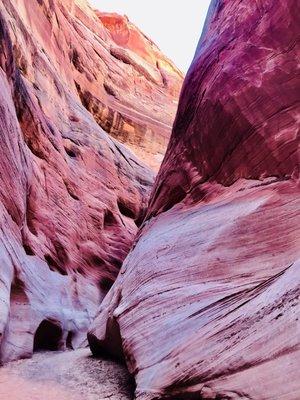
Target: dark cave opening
{"type": "Point", "coordinates": [48, 336]}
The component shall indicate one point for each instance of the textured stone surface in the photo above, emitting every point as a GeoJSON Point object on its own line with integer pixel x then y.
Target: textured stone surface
{"type": "Point", "coordinates": [70, 195]}
{"type": "Point", "coordinates": [128, 37]}
{"type": "Point", "coordinates": [207, 302]}
{"type": "Point", "coordinates": [136, 95]}
{"type": "Point", "coordinates": [156, 82]}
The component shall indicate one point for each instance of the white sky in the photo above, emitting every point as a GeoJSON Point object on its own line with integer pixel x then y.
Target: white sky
{"type": "Point", "coordinates": [174, 25]}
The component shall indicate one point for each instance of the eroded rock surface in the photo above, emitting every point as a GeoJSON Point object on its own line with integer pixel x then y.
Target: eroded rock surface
{"type": "Point", "coordinates": [71, 197]}
{"type": "Point", "coordinates": [135, 88]}
{"type": "Point", "coordinates": [207, 302]}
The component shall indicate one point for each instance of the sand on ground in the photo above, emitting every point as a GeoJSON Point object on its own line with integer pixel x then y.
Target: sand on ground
{"type": "Point", "coordinates": [70, 375]}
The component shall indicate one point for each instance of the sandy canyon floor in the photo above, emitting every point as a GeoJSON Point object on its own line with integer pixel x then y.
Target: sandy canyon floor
{"type": "Point", "coordinates": [71, 375]}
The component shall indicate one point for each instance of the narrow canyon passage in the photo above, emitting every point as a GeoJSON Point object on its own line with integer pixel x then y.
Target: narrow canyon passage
{"type": "Point", "coordinates": [151, 215]}
{"type": "Point", "coordinates": [70, 375]}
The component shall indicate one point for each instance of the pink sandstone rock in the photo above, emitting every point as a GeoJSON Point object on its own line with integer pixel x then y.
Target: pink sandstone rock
{"type": "Point", "coordinates": [157, 101]}
{"type": "Point", "coordinates": [129, 38]}
{"type": "Point", "coordinates": [71, 197]}
{"type": "Point", "coordinates": [207, 303]}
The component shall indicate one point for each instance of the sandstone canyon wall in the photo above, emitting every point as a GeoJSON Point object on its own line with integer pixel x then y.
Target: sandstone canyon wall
{"type": "Point", "coordinates": [70, 196]}
{"type": "Point", "coordinates": [140, 110]}
{"type": "Point", "coordinates": [207, 303]}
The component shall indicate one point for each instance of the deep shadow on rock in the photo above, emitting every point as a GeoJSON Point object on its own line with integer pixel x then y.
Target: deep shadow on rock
{"type": "Point", "coordinates": [48, 336]}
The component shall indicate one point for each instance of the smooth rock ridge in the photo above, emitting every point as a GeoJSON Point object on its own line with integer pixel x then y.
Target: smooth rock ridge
{"type": "Point", "coordinates": [207, 302]}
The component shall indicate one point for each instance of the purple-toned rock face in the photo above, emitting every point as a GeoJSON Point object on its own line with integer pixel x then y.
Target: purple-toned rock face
{"type": "Point", "coordinates": [207, 302]}
{"type": "Point", "coordinates": [70, 195]}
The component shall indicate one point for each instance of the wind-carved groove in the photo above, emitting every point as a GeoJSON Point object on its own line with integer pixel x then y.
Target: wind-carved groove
{"type": "Point", "coordinates": [28, 250]}
{"type": "Point", "coordinates": [109, 221]}
{"type": "Point", "coordinates": [71, 191]}
{"type": "Point", "coordinates": [76, 60]}
{"type": "Point", "coordinates": [22, 100]}
{"type": "Point", "coordinates": [31, 128]}
{"type": "Point", "coordinates": [125, 209]}
{"type": "Point", "coordinates": [58, 260]}
{"type": "Point", "coordinates": [53, 265]}
{"type": "Point", "coordinates": [71, 153]}
{"type": "Point", "coordinates": [20, 60]}
{"type": "Point", "coordinates": [30, 215]}
{"type": "Point", "coordinates": [110, 90]}
{"type": "Point", "coordinates": [117, 125]}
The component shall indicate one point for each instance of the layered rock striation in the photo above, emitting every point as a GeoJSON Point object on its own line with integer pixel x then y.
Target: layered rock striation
{"type": "Point", "coordinates": [71, 197]}
{"type": "Point", "coordinates": [135, 87]}
{"type": "Point", "coordinates": [207, 303]}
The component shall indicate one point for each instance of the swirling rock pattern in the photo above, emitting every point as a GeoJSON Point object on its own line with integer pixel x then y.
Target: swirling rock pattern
{"type": "Point", "coordinates": [70, 195]}
{"type": "Point", "coordinates": [207, 302]}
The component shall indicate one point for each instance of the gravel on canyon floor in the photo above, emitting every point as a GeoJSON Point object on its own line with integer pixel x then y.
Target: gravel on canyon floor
{"type": "Point", "coordinates": [71, 375]}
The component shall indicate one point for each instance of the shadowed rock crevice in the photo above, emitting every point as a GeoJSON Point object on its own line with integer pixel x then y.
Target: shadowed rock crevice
{"type": "Point", "coordinates": [109, 219]}
{"type": "Point", "coordinates": [53, 265]}
{"type": "Point", "coordinates": [28, 249]}
{"type": "Point", "coordinates": [106, 283]}
{"type": "Point", "coordinates": [112, 346]}
{"type": "Point", "coordinates": [126, 209]}
{"type": "Point", "coordinates": [69, 340]}
{"type": "Point", "coordinates": [76, 60]}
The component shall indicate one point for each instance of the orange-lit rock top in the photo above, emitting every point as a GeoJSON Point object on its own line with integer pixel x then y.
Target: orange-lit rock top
{"type": "Point", "coordinates": [157, 83]}
{"type": "Point", "coordinates": [127, 35]}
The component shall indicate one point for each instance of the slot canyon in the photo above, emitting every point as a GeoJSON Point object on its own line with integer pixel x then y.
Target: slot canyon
{"type": "Point", "coordinates": [149, 220]}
